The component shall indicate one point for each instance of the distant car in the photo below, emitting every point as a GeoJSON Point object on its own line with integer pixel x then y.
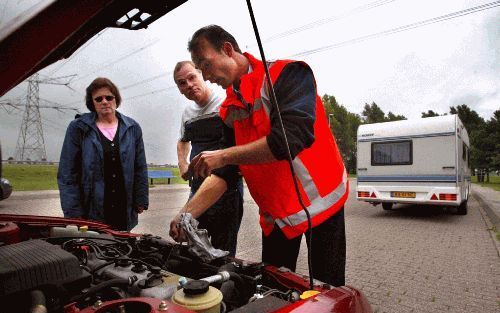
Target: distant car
{"type": "Point", "coordinates": [5, 186]}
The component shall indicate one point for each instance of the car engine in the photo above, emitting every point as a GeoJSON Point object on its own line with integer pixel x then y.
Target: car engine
{"type": "Point", "coordinates": [69, 268]}
{"type": "Point", "coordinates": [73, 269]}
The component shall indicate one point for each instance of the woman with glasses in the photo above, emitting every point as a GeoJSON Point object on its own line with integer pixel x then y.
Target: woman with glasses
{"type": "Point", "coordinates": [102, 170]}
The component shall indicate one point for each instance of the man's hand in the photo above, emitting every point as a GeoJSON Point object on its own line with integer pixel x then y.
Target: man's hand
{"type": "Point", "coordinates": [203, 164]}
{"type": "Point", "coordinates": [184, 170]}
{"type": "Point", "coordinates": [176, 231]}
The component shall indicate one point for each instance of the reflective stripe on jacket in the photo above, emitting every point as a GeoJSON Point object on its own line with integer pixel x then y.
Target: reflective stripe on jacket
{"type": "Point", "coordinates": [321, 174]}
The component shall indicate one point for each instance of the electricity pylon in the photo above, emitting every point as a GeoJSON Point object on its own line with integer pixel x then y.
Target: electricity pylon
{"type": "Point", "coordinates": [31, 142]}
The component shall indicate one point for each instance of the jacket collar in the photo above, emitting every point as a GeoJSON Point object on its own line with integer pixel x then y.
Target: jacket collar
{"type": "Point", "coordinates": [89, 120]}
{"type": "Point", "coordinates": [248, 84]}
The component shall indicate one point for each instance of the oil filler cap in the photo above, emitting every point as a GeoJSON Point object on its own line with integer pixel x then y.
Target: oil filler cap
{"type": "Point", "coordinates": [196, 287]}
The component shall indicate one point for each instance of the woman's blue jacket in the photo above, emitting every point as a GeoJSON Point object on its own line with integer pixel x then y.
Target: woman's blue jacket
{"type": "Point", "coordinates": [81, 174]}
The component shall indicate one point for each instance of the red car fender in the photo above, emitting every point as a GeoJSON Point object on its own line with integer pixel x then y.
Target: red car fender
{"type": "Point", "coordinates": [343, 299]}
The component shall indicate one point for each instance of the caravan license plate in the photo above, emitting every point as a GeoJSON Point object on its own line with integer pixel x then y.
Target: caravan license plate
{"type": "Point", "coordinates": [403, 194]}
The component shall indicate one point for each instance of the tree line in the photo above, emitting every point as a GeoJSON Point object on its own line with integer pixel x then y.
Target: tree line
{"type": "Point", "coordinates": [484, 134]}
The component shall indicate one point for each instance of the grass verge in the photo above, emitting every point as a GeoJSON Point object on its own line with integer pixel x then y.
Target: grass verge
{"type": "Point", "coordinates": [494, 182]}
{"type": "Point", "coordinates": [31, 177]}
{"type": "Point", "coordinates": [25, 177]}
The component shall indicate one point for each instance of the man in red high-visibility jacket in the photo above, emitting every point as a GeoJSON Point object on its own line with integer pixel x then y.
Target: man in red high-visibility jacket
{"type": "Point", "coordinates": [256, 144]}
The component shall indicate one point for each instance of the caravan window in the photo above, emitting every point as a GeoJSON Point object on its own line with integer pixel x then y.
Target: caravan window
{"type": "Point", "coordinates": [392, 153]}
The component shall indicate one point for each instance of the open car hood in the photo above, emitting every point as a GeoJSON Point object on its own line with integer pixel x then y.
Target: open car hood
{"type": "Point", "coordinates": [53, 29]}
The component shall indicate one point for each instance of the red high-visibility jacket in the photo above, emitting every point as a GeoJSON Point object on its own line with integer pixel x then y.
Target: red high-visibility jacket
{"type": "Point", "coordinates": [321, 174]}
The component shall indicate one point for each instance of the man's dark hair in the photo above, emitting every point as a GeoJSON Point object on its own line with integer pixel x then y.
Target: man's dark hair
{"type": "Point", "coordinates": [215, 35]}
{"type": "Point", "coordinates": [98, 83]}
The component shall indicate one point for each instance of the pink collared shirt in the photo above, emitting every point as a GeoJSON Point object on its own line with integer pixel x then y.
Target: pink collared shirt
{"type": "Point", "coordinates": [109, 132]}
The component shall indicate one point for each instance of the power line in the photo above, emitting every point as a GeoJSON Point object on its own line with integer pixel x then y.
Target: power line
{"type": "Point", "coordinates": [135, 96]}
{"type": "Point", "coordinates": [324, 21]}
{"type": "Point", "coordinates": [57, 80]}
{"type": "Point", "coordinates": [147, 80]}
{"type": "Point", "coordinates": [55, 106]}
{"type": "Point", "coordinates": [50, 123]}
{"type": "Point", "coordinates": [106, 65]}
{"type": "Point", "coordinates": [54, 125]}
{"type": "Point", "coordinates": [58, 107]}
{"type": "Point", "coordinates": [6, 104]}
{"type": "Point", "coordinates": [76, 53]}
{"type": "Point", "coordinates": [430, 21]}
{"type": "Point", "coordinates": [150, 93]}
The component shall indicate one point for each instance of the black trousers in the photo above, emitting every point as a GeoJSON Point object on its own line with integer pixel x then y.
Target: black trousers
{"type": "Point", "coordinates": [222, 221]}
{"type": "Point", "coordinates": [328, 250]}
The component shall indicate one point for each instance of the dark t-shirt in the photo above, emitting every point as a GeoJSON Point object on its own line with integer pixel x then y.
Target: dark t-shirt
{"type": "Point", "coordinates": [203, 127]}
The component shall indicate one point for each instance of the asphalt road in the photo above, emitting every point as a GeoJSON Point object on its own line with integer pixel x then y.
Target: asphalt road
{"type": "Point", "coordinates": [411, 259]}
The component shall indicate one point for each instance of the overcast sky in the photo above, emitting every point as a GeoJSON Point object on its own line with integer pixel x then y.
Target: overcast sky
{"type": "Point", "coordinates": [435, 66]}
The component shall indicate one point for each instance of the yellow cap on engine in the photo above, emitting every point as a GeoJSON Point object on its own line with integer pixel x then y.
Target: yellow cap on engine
{"type": "Point", "coordinates": [208, 302]}
{"type": "Point", "coordinates": [84, 228]}
{"type": "Point", "coordinates": [308, 293]}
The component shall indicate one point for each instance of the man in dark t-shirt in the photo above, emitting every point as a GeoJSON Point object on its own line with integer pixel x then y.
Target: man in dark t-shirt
{"type": "Point", "coordinates": [202, 130]}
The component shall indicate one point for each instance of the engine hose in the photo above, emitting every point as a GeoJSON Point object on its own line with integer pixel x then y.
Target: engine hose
{"type": "Point", "coordinates": [239, 282]}
{"type": "Point", "coordinates": [229, 267]}
{"type": "Point", "coordinates": [106, 284]}
{"type": "Point", "coordinates": [235, 290]}
{"type": "Point", "coordinates": [38, 304]}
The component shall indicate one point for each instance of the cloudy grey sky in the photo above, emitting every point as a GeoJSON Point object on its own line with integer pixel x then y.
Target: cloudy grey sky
{"type": "Point", "coordinates": [360, 50]}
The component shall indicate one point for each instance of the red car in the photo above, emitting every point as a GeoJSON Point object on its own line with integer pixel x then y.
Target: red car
{"type": "Point", "coordinates": [50, 264]}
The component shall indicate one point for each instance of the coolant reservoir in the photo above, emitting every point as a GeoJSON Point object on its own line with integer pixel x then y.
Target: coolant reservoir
{"type": "Point", "coordinates": [72, 231]}
{"type": "Point", "coordinates": [199, 296]}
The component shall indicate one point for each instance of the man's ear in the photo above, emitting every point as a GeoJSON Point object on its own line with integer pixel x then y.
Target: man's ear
{"type": "Point", "coordinates": [227, 48]}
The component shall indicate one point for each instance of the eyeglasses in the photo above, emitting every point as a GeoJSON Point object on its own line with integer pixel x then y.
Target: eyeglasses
{"type": "Point", "coordinates": [100, 98]}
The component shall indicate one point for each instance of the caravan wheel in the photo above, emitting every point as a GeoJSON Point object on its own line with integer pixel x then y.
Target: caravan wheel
{"type": "Point", "coordinates": [462, 208]}
{"type": "Point", "coordinates": [387, 205]}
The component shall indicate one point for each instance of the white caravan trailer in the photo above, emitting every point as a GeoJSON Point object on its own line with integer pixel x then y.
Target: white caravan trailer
{"type": "Point", "coordinates": [424, 161]}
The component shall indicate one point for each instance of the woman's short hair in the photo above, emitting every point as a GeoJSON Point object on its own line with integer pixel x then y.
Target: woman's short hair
{"type": "Point", "coordinates": [98, 83]}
